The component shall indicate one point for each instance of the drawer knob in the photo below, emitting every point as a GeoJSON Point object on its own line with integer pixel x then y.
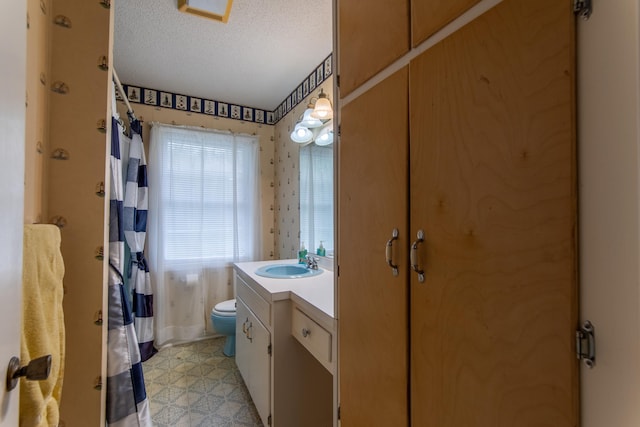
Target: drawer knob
{"type": "Point", "coordinates": [306, 332]}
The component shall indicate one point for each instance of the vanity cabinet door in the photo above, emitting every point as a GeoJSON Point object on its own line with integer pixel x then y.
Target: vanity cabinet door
{"type": "Point", "coordinates": [375, 34]}
{"type": "Point", "coordinates": [372, 309]}
{"type": "Point", "coordinates": [253, 359]}
{"type": "Point", "coordinates": [493, 186]}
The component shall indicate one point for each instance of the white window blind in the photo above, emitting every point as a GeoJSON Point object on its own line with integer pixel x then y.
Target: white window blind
{"type": "Point", "coordinates": [205, 195]}
{"type": "Point", "coordinates": [316, 197]}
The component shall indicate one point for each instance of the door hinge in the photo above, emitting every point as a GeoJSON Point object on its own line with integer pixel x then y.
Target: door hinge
{"type": "Point", "coordinates": [269, 350]}
{"type": "Point", "coordinates": [338, 412]}
{"type": "Point", "coordinates": [586, 344]}
{"type": "Point", "coordinates": [338, 130]}
{"type": "Point", "coordinates": [269, 420]}
{"type": "Point", "coordinates": [338, 80]}
{"type": "Point", "coordinates": [582, 8]}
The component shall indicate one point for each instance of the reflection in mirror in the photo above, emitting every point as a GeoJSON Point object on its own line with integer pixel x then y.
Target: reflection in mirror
{"type": "Point", "coordinates": [316, 197]}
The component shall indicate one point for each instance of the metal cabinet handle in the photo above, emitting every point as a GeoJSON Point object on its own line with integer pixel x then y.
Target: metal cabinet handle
{"type": "Point", "coordinates": [389, 251]}
{"type": "Point", "coordinates": [414, 256]}
{"type": "Point", "coordinates": [306, 332]}
{"type": "Point", "coordinates": [249, 332]}
{"type": "Point", "coordinates": [244, 326]}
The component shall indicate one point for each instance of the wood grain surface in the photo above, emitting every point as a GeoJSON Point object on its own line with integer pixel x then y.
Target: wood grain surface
{"type": "Point", "coordinates": [493, 185]}
{"type": "Point", "coordinates": [372, 308]}
{"type": "Point", "coordinates": [371, 35]}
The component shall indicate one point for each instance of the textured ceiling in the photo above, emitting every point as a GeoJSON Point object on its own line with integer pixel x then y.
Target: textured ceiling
{"type": "Point", "coordinates": [256, 59]}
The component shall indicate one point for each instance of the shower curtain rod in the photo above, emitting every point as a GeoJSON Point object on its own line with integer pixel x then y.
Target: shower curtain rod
{"type": "Point", "coordinates": [122, 92]}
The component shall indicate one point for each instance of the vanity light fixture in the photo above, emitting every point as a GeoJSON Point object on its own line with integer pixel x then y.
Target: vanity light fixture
{"type": "Point", "coordinates": [301, 134]}
{"type": "Point", "coordinates": [315, 116]}
{"type": "Point", "coordinates": [218, 10]}
{"type": "Point", "coordinates": [323, 109]}
{"type": "Point", "coordinates": [325, 137]}
{"type": "Point", "coordinates": [308, 120]}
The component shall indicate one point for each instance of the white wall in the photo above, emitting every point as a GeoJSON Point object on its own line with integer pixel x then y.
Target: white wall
{"type": "Point", "coordinates": [13, 44]}
{"type": "Point", "coordinates": [608, 84]}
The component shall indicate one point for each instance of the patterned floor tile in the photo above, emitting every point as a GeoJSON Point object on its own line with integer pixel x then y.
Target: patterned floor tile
{"type": "Point", "coordinates": [240, 394]}
{"type": "Point", "coordinates": [171, 415]}
{"type": "Point", "coordinates": [195, 385]}
{"type": "Point", "coordinates": [171, 395]}
{"type": "Point", "coordinates": [213, 420]}
{"type": "Point", "coordinates": [209, 405]}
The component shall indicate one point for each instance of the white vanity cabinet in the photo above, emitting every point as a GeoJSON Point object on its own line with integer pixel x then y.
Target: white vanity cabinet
{"type": "Point", "coordinates": [288, 383]}
{"type": "Point", "coordinates": [253, 358]}
{"type": "Point", "coordinates": [313, 336]}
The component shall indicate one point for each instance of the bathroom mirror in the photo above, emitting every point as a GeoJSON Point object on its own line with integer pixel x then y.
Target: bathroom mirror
{"type": "Point", "coordinates": [316, 197]}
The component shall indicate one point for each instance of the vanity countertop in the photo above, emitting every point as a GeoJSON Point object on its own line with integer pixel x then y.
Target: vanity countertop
{"type": "Point", "coordinates": [314, 292]}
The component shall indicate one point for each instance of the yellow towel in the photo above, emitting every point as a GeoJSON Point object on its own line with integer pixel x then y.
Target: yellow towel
{"type": "Point", "coordinates": [42, 324]}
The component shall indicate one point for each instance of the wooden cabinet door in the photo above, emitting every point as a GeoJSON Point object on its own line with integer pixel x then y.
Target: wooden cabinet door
{"type": "Point", "coordinates": [372, 302]}
{"type": "Point", "coordinates": [429, 16]}
{"type": "Point", "coordinates": [371, 35]}
{"type": "Point", "coordinates": [493, 185]}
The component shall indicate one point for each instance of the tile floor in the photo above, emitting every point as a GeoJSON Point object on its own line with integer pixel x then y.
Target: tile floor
{"type": "Point", "coordinates": [195, 385]}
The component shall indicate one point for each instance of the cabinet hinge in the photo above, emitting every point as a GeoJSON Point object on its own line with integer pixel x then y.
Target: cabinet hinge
{"type": "Point", "coordinates": [582, 8]}
{"type": "Point", "coordinates": [269, 349]}
{"type": "Point", "coordinates": [269, 420]}
{"type": "Point", "coordinates": [586, 344]}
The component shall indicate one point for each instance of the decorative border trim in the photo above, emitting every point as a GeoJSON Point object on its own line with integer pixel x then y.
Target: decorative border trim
{"type": "Point", "coordinates": [308, 85]}
{"type": "Point", "coordinates": [175, 101]}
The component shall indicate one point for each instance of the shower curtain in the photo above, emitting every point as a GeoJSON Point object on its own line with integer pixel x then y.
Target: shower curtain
{"type": "Point", "coordinates": [127, 404]}
{"type": "Point", "coordinates": [135, 230]}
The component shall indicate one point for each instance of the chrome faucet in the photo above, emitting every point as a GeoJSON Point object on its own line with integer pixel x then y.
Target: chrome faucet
{"type": "Point", "coordinates": [312, 262]}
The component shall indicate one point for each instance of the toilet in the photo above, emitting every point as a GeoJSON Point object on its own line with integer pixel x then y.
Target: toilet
{"type": "Point", "coordinates": [223, 319]}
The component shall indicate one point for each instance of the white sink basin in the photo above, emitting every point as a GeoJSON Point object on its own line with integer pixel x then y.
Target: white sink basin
{"type": "Point", "coordinates": [286, 271]}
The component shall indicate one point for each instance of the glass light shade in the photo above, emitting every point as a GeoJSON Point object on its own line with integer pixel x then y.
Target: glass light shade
{"type": "Point", "coordinates": [301, 134]}
{"type": "Point", "coordinates": [322, 110]}
{"type": "Point", "coordinates": [325, 137]}
{"type": "Point", "coordinates": [308, 121]}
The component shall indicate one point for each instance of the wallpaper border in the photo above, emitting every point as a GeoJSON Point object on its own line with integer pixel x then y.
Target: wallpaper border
{"type": "Point", "coordinates": [194, 104]}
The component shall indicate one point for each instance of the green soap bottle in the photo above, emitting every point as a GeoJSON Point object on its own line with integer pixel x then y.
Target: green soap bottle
{"type": "Point", "coordinates": [302, 254]}
{"type": "Point", "coordinates": [321, 251]}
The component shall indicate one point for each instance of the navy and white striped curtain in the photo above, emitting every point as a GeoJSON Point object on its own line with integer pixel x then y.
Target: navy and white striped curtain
{"type": "Point", "coordinates": [127, 403]}
{"type": "Point", "coordinates": [136, 202]}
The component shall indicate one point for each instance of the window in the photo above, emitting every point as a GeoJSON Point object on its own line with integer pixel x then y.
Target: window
{"type": "Point", "coordinates": [206, 194]}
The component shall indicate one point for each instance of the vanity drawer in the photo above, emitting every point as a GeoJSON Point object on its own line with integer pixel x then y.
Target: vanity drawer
{"type": "Point", "coordinates": [255, 302]}
{"type": "Point", "coordinates": [312, 336]}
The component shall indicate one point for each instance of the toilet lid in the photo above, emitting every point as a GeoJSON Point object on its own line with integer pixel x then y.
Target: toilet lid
{"type": "Point", "coordinates": [228, 306]}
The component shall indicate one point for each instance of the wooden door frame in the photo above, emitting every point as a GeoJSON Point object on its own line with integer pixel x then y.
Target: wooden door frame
{"type": "Point", "coordinates": [608, 88]}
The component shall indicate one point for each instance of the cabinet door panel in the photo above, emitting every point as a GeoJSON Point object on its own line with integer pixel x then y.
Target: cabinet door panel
{"type": "Point", "coordinates": [371, 35]}
{"type": "Point", "coordinates": [243, 348]}
{"type": "Point", "coordinates": [253, 359]}
{"type": "Point", "coordinates": [429, 16]}
{"type": "Point", "coordinates": [493, 186]}
{"type": "Point", "coordinates": [372, 303]}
